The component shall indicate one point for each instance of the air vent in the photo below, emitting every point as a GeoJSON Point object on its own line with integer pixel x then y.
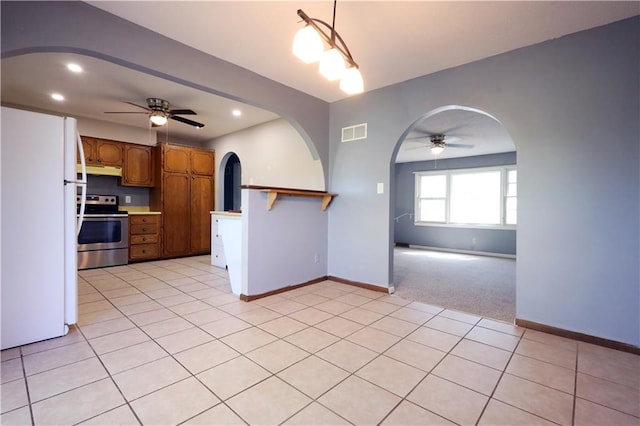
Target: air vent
{"type": "Point", "coordinates": [353, 133]}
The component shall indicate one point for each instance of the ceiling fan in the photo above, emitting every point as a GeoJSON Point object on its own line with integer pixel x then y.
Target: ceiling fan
{"type": "Point", "coordinates": [159, 111]}
{"type": "Point", "coordinates": [438, 143]}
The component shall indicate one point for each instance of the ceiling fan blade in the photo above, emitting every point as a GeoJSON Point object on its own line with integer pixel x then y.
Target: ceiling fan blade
{"type": "Point", "coordinates": [416, 147]}
{"type": "Point", "coordinates": [187, 121]}
{"type": "Point", "coordinates": [136, 105]}
{"type": "Point", "coordinates": [125, 112]}
{"type": "Point", "coordinates": [182, 112]}
{"type": "Point", "coordinates": [458, 145]}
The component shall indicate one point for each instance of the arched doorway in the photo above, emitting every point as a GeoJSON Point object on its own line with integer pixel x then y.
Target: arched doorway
{"type": "Point", "coordinates": [232, 182]}
{"type": "Point", "coordinates": [444, 253]}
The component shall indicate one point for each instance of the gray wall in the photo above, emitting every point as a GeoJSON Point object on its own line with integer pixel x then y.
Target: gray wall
{"type": "Point", "coordinates": [295, 230]}
{"type": "Point", "coordinates": [501, 241]}
{"type": "Point", "coordinates": [110, 185]}
{"type": "Point", "coordinates": [571, 106]}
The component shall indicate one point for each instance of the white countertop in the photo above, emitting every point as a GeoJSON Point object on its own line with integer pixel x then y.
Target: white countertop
{"type": "Point", "coordinates": [228, 214]}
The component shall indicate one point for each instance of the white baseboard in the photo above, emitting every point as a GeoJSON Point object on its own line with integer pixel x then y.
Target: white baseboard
{"type": "Point", "coordinates": [477, 253]}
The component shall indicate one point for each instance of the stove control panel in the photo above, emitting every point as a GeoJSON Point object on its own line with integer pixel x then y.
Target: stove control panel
{"type": "Point", "coordinates": [104, 200]}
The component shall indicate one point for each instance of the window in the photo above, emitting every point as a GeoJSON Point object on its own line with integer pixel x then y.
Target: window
{"type": "Point", "coordinates": [472, 197]}
{"type": "Point", "coordinates": [433, 199]}
{"type": "Point", "coordinates": [510, 200]}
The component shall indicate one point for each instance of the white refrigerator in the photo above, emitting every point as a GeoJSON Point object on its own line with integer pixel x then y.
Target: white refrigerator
{"type": "Point", "coordinates": [39, 225]}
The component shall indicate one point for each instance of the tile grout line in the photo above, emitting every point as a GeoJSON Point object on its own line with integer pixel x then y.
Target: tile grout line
{"type": "Point", "coordinates": [26, 385]}
{"type": "Point", "coordinates": [502, 373]}
{"type": "Point", "coordinates": [127, 402]}
{"type": "Point", "coordinates": [404, 398]}
{"type": "Point", "coordinates": [575, 387]}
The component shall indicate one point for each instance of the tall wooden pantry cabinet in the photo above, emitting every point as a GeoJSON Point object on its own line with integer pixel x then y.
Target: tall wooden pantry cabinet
{"type": "Point", "coordinates": [184, 193]}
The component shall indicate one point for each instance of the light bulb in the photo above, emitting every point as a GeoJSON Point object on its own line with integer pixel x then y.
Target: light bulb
{"type": "Point", "coordinates": [307, 45]}
{"type": "Point", "coordinates": [158, 118]}
{"type": "Point", "coordinates": [437, 149]}
{"type": "Point", "coordinates": [332, 64]}
{"type": "Point", "coordinates": [351, 82]}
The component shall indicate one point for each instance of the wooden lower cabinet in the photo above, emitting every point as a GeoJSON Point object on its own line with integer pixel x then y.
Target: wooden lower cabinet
{"type": "Point", "coordinates": [144, 237]}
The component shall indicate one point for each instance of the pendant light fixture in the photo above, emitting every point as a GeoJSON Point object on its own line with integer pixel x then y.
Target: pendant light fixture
{"type": "Point", "coordinates": [336, 63]}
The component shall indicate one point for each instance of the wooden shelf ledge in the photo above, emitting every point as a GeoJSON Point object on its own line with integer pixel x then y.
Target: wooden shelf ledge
{"type": "Point", "coordinates": [274, 193]}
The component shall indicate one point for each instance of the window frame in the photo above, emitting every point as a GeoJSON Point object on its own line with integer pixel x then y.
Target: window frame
{"type": "Point", "coordinates": [504, 182]}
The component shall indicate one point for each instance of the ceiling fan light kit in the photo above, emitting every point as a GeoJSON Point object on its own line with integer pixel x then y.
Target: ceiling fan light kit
{"type": "Point", "coordinates": [336, 63]}
{"type": "Point", "coordinates": [437, 148]}
{"type": "Point", "coordinates": [158, 118]}
{"type": "Point", "coordinates": [159, 112]}
{"type": "Point", "coordinates": [437, 144]}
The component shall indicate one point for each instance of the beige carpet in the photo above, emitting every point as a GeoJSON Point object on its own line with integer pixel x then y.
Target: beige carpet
{"type": "Point", "coordinates": [480, 285]}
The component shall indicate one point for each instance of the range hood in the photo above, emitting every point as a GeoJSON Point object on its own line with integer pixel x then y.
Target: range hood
{"type": "Point", "coordinates": [102, 170]}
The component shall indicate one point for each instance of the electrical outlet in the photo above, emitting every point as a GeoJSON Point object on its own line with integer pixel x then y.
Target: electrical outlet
{"type": "Point", "coordinates": [315, 258]}
{"type": "Point", "coordinates": [127, 199]}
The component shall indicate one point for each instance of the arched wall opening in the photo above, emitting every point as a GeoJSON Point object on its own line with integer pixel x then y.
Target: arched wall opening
{"type": "Point", "coordinates": [466, 267]}
{"type": "Point", "coordinates": [230, 181]}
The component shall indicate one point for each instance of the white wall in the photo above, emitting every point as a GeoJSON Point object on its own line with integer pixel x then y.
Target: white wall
{"type": "Point", "coordinates": [271, 154]}
{"type": "Point", "coordinates": [118, 132]}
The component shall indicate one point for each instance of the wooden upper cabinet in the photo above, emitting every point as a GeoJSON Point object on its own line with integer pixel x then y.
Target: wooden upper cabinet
{"type": "Point", "coordinates": [175, 159]}
{"type": "Point", "coordinates": [89, 147]}
{"type": "Point", "coordinates": [138, 167]}
{"type": "Point", "coordinates": [202, 162]}
{"type": "Point", "coordinates": [110, 153]}
{"type": "Point", "coordinates": [102, 152]}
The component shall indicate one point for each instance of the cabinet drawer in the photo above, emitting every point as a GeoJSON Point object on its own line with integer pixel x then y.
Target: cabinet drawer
{"type": "Point", "coordinates": [143, 229]}
{"type": "Point", "coordinates": [143, 219]}
{"type": "Point", "coordinates": [143, 251]}
{"type": "Point", "coordinates": [144, 239]}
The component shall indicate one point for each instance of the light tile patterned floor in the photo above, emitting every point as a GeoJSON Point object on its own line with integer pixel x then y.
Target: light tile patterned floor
{"type": "Point", "coordinates": [166, 343]}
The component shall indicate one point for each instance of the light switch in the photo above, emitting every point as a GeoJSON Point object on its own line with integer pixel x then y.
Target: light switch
{"type": "Point", "coordinates": [380, 187]}
{"type": "Point", "coordinates": [127, 199]}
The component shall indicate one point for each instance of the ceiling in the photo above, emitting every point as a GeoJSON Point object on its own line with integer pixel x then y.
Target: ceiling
{"type": "Point", "coordinates": [392, 41]}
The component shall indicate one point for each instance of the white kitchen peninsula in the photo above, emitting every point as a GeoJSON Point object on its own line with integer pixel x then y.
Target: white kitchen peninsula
{"type": "Point", "coordinates": [226, 246]}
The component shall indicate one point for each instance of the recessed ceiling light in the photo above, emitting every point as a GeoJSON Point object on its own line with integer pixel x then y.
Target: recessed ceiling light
{"type": "Point", "coordinates": [57, 97]}
{"type": "Point", "coordinates": [74, 67]}
{"type": "Point", "coordinates": [236, 113]}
